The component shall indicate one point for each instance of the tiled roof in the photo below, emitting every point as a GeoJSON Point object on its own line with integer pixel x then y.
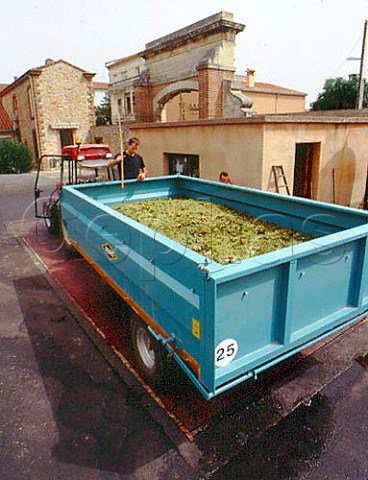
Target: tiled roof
{"type": "Point", "coordinates": [267, 87]}
{"type": "Point", "coordinates": [5, 122]}
{"type": "Point", "coordinates": [3, 85]}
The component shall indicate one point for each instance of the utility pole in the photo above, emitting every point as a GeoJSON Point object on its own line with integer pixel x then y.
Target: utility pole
{"type": "Point", "coordinates": [359, 102]}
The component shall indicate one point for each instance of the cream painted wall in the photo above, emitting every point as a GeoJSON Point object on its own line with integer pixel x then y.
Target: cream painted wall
{"type": "Point", "coordinates": [183, 106]}
{"type": "Point", "coordinates": [248, 148]}
{"type": "Point", "coordinates": [182, 62]}
{"type": "Point", "coordinates": [276, 103]}
{"type": "Point", "coordinates": [343, 159]}
{"type": "Point", "coordinates": [234, 148]}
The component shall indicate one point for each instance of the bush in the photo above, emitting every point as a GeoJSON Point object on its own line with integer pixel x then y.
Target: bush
{"type": "Point", "coordinates": [15, 157]}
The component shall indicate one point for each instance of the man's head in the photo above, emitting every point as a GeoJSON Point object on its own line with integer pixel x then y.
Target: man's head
{"type": "Point", "coordinates": [224, 177]}
{"type": "Point", "coordinates": [132, 146]}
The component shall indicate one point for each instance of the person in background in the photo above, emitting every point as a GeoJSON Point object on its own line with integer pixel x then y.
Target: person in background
{"type": "Point", "coordinates": [224, 177]}
{"type": "Point", "coordinates": [134, 167]}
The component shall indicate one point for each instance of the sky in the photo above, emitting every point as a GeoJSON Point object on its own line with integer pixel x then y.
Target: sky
{"type": "Point", "coordinates": [293, 43]}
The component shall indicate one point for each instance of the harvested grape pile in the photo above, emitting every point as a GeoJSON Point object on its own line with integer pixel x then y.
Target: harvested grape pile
{"type": "Point", "coordinates": [215, 231]}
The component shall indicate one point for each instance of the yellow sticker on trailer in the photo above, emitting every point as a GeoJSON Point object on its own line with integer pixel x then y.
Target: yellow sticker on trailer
{"type": "Point", "coordinates": [109, 251]}
{"type": "Point", "coordinates": [196, 328]}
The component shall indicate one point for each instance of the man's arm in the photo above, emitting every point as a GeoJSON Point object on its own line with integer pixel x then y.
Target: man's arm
{"type": "Point", "coordinates": [142, 170]}
{"type": "Point", "coordinates": [142, 173]}
{"type": "Point", "coordinates": [114, 161]}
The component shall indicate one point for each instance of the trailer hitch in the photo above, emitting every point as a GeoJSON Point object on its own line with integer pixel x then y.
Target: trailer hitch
{"type": "Point", "coordinates": [160, 338]}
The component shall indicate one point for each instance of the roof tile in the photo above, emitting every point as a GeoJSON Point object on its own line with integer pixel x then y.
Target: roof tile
{"type": "Point", "coordinates": [5, 122]}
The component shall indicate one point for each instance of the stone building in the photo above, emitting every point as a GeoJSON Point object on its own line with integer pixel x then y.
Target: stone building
{"type": "Point", "coordinates": [189, 75]}
{"type": "Point", "coordinates": [51, 106]}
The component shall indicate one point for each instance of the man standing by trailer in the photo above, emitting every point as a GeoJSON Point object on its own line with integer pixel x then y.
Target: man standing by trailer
{"type": "Point", "coordinates": [133, 166]}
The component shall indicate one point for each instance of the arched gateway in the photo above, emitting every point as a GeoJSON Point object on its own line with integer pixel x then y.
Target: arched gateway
{"type": "Point", "coordinates": [198, 58]}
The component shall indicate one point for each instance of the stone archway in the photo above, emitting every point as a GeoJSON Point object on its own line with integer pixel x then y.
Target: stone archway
{"type": "Point", "coordinates": [197, 58]}
{"type": "Point", "coordinates": [169, 92]}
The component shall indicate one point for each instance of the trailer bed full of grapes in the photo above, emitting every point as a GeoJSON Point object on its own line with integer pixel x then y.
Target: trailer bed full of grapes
{"type": "Point", "coordinates": [223, 324]}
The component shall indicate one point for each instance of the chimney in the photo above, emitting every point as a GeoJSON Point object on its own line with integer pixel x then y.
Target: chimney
{"type": "Point", "coordinates": [250, 77]}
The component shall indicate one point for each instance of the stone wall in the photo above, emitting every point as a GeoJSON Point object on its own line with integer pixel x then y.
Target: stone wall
{"type": "Point", "coordinates": [110, 134]}
{"type": "Point", "coordinates": [65, 100]}
{"type": "Point", "coordinates": [50, 98]}
{"type": "Point", "coordinates": [22, 93]}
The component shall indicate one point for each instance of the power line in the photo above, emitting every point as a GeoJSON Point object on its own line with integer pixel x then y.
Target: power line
{"type": "Point", "coordinates": [358, 40]}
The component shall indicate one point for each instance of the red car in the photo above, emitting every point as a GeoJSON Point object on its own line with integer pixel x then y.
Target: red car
{"type": "Point", "coordinates": [88, 151]}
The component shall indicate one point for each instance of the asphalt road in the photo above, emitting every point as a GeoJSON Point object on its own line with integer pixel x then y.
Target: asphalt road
{"type": "Point", "coordinates": [17, 197]}
{"type": "Point", "coordinates": [71, 411]}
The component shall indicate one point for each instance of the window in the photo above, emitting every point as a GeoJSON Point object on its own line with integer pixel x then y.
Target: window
{"type": "Point", "coordinates": [128, 104]}
{"type": "Point", "coordinates": [183, 164]}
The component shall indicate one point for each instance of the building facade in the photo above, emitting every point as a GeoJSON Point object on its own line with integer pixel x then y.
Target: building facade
{"type": "Point", "coordinates": [323, 154]}
{"type": "Point", "coordinates": [101, 90]}
{"type": "Point", "coordinates": [51, 106]}
{"type": "Point", "coordinates": [190, 74]}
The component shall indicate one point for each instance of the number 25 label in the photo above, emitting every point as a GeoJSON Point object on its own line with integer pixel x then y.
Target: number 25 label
{"type": "Point", "coordinates": [225, 352]}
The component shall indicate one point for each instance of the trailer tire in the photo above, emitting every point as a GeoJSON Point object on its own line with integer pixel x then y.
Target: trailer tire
{"type": "Point", "coordinates": [149, 353]}
{"type": "Point", "coordinates": [51, 212]}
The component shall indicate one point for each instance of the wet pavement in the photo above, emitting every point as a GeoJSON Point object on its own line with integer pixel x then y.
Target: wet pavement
{"type": "Point", "coordinates": [71, 410]}
{"type": "Point", "coordinates": [324, 440]}
{"type": "Point", "coordinates": [66, 413]}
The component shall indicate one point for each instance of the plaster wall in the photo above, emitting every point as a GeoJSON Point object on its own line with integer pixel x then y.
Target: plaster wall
{"type": "Point", "coordinates": [248, 148]}
{"type": "Point", "coordinates": [342, 166]}
{"type": "Point", "coordinates": [181, 63]}
{"type": "Point", "coordinates": [234, 148]}
{"type": "Point", "coordinates": [276, 103]}
{"type": "Point", "coordinates": [125, 68]}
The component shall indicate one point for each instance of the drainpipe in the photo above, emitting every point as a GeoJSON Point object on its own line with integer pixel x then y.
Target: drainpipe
{"type": "Point", "coordinates": [35, 115]}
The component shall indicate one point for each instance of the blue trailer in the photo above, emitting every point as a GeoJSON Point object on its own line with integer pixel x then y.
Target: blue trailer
{"type": "Point", "coordinates": [223, 324]}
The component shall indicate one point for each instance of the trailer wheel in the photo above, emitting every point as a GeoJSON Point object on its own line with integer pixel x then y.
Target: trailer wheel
{"type": "Point", "coordinates": [52, 216]}
{"type": "Point", "coordinates": [149, 353]}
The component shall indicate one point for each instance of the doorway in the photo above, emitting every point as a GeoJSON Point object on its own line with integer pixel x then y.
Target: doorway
{"type": "Point", "coordinates": [66, 137]}
{"type": "Point", "coordinates": [306, 168]}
